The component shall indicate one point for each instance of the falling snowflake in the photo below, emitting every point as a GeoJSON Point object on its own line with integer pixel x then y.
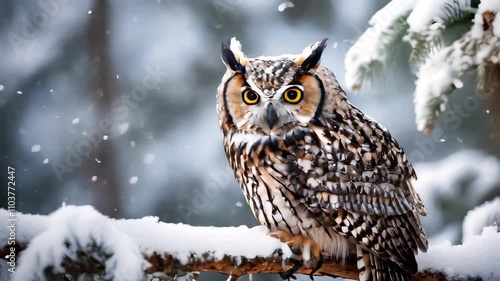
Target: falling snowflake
{"type": "Point", "coordinates": [36, 148]}
{"type": "Point", "coordinates": [133, 180]}
{"type": "Point", "coordinates": [285, 5]}
{"type": "Point", "coordinates": [149, 158]}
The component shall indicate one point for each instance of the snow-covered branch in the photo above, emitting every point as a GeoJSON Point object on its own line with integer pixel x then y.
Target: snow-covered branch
{"type": "Point", "coordinates": [77, 241]}
{"type": "Point", "coordinates": [440, 68]}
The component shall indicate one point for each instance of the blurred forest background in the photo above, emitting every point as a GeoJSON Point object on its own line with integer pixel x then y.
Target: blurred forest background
{"type": "Point", "coordinates": [112, 104]}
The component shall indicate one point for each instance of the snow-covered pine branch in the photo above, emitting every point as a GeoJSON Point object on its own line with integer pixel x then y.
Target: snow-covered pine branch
{"type": "Point", "coordinates": [79, 241]}
{"type": "Point", "coordinates": [421, 23]}
{"type": "Point", "coordinates": [370, 53]}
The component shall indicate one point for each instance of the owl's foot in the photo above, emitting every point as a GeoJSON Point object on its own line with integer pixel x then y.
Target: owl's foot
{"type": "Point", "coordinates": [307, 253]}
{"type": "Point", "coordinates": [317, 266]}
{"type": "Point", "coordinates": [289, 273]}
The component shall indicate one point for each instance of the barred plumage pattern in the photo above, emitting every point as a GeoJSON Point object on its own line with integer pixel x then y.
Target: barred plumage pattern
{"type": "Point", "coordinates": [326, 171]}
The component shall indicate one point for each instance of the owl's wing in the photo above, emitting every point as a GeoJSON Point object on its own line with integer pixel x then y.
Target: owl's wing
{"type": "Point", "coordinates": [358, 181]}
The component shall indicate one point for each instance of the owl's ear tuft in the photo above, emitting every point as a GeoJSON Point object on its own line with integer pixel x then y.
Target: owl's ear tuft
{"type": "Point", "coordinates": [233, 57]}
{"type": "Point", "coordinates": [311, 56]}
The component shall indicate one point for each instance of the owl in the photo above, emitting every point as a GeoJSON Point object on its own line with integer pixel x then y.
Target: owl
{"type": "Point", "coordinates": [315, 170]}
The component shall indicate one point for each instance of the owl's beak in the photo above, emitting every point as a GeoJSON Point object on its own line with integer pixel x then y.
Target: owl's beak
{"type": "Point", "coordinates": [272, 117]}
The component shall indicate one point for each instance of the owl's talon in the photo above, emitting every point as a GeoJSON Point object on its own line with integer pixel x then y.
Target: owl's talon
{"type": "Point", "coordinates": [306, 251]}
{"type": "Point", "coordinates": [316, 267]}
{"type": "Point", "coordinates": [289, 273]}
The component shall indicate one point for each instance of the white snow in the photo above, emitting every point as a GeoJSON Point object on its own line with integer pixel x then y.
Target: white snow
{"type": "Point", "coordinates": [472, 167]}
{"type": "Point", "coordinates": [489, 5]}
{"type": "Point", "coordinates": [94, 178]}
{"type": "Point", "coordinates": [46, 161]}
{"type": "Point", "coordinates": [443, 67]}
{"type": "Point", "coordinates": [285, 5]}
{"type": "Point", "coordinates": [27, 226]}
{"type": "Point", "coordinates": [434, 79]}
{"type": "Point", "coordinates": [19, 92]}
{"type": "Point", "coordinates": [482, 216]}
{"type": "Point", "coordinates": [71, 229]}
{"type": "Point", "coordinates": [442, 71]}
{"type": "Point", "coordinates": [370, 50]}
{"type": "Point", "coordinates": [475, 257]}
{"type": "Point", "coordinates": [451, 62]}
{"type": "Point", "coordinates": [75, 121]}
{"type": "Point", "coordinates": [1, 88]}
{"type": "Point", "coordinates": [105, 137]}
{"type": "Point", "coordinates": [133, 180]}
{"type": "Point", "coordinates": [428, 21]}
{"type": "Point", "coordinates": [486, 5]}
{"type": "Point", "coordinates": [83, 226]}
{"type": "Point", "coordinates": [36, 148]}
{"type": "Point", "coordinates": [78, 228]}
{"type": "Point", "coordinates": [122, 128]}
{"type": "Point", "coordinates": [149, 158]}
{"type": "Point", "coordinates": [425, 12]}
{"type": "Point", "coordinates": [182, 240]}
{"type": "Point", "coordinates": [496, 26]}
{"type": "Point", "coordinates": [477, 31]}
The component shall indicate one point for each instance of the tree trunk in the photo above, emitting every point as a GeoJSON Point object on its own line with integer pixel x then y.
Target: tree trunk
{"type": "Point", "coordinates": [491, 90]}
{"type": "Point", "coordinates": [491, 87]}
{"type": "Point", "coordinates": [102, 87]}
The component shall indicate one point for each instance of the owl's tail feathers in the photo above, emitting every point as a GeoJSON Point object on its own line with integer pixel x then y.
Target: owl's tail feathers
{"type": "Point", "coordinates": [373, 268]}
{"type": "Point", "coordinates": [363, 264]}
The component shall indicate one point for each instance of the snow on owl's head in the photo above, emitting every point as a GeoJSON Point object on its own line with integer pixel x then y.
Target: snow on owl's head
{"type": "Point", "coordinates": [270, 95]}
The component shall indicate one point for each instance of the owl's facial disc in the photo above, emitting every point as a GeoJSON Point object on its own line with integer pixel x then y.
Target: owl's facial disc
{"type": "Point", "coordinates": [271, 113]}
{"type": "Point", "coordinates": [271, 95]}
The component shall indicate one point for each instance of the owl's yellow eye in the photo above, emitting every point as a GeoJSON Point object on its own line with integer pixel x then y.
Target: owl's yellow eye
{"type": "Point", "coordinates": [250, 96]}
{"type": "Point", "coordinates": [293, 95]}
